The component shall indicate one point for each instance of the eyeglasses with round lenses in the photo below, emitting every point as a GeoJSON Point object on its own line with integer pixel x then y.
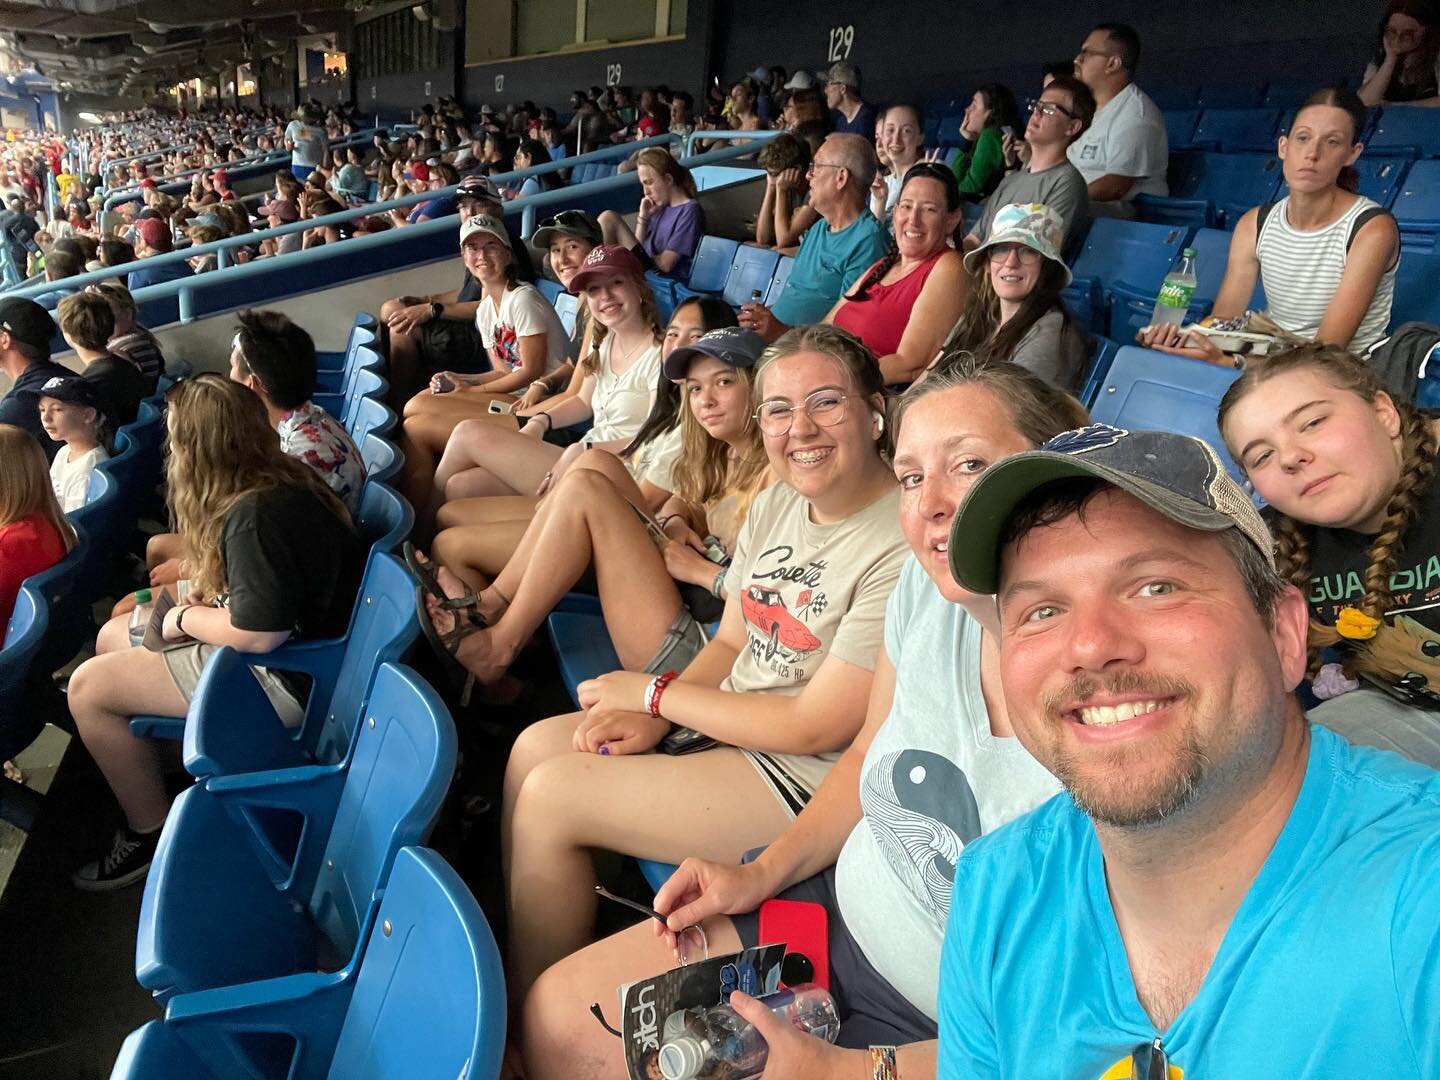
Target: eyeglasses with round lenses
{"type": "Point", "coordinates": [825, 408]}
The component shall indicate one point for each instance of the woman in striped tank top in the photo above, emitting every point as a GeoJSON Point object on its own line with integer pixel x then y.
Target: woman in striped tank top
{"type": "Point", "coordinates": [1325, 255]}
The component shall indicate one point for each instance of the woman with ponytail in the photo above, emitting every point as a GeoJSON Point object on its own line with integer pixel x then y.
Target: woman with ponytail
{"type": "Point", "coordinates": [1347, 470]}
{"type": "Point", "coordinates": [906, 303]}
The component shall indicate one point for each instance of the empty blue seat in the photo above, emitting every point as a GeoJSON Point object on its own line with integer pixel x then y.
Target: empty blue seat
{"type": "Point", "coordinates": [1406, 131]}
{"type": "Point", "coordinates": [1381, 178]}
{"type": "Point", "coordinates": [750, 274]}
{"type": "Point", "coordinates": [947, 132]}
{"type": "Point", "coordinates": [1417, 205]}
{"type": "Point", "coordinates": [1215, 191]}
{"type": "Point", "coordinates": [711, 265]}
{"type": "Point", "coordinates": [65, 591]}
{"type": "Point", "coordinates": [1146, 390]}
{"type": "Point", "coordinates": [780, 280]}
{"type": "Point", "coordinates": [1105, 351]}
{"type": "Point", "coordinates": [1180, 127]}
{"type": "Point", "coordinates": [372, 415]}
{"type": "Point", "coordinates": [383, 461]}
{"type": "Point", "coordinates": [147, 434]}
{"type": "Point", "coordinates": [233, 728]}
{"type": "Point", "coordinates": [1135, 252]}
{"type": "Point", "coordinates": [1133, 307]}
{"type": "Point", "coordinates": [1417, 289]}
{"type": "Point", "coordinates": [656, 873]}
{"type": "Point", "coordinates": [426, 999]}
{"type": "Point", "coordinates": [255, 875]}
{"type": "Point", "coordinates": [551, 290]}
{"type": "Point", "coordinates": [582, 647]}
{"type": "Point", "coordinates": [385, 519]}
{"type": "Point", "coordinates": [368, 384]}
{"type": "Point", "coordinates": [1237, 129]}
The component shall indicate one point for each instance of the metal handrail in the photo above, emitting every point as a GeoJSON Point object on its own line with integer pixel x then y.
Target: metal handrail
{"type": "Point", "coordinates": [250, 239]}
{"type": "Point", "coordinates": [726, 136]}
{"type": "Point", "coordinates": [183, 289]}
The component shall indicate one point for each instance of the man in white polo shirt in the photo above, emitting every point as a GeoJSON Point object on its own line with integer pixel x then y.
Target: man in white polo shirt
{"type": "Point", "coordinates": [1124, 152]}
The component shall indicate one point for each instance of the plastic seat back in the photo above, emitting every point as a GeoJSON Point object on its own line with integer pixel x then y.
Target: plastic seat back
{"type": "Point", "coordinates": [780, 279]}
{"type": "Point", "coordinates": [1233, 183]}
{"type": "Point", "coordinates": [385, 518]}
{"type": "Point", "coordinates": [711, 265]}
{"type": "Point", "coordinates": [1237, 129]}
{"type": "Point", "coordinates": [582, 647]}
{"type": "Point", "coordinates": [1136, 253]}
{"type": "Point", "coordinates": [1417, 205]}
{"type": "Point", "coordinates": [372, 415]}
{"type": "Point", "coordinates": [368, 384]}
{"type": "Point", "coordinates": [1147, 390]}
{"type": "Point", "coordinates": [1417, 299]}
{"type": "Point", "coordinates": [948, 131]}
{"type": "Point", "coordinates": [1105, 351]}
{"type": "Point", "coordinates": [430, 995]}
{"type": "Point", "coordinates": [551, 290]}
{"type": "Point", "coordinates": [399, 772]}
{"type": "Point", "coordinates": [750, 274]}
{"type": "Point", "coordinates": [1406, 131]}
{"type": "Point", "coordinates": [156, 1050]}
{"type": "Point", "coordinates": [147, 433]}
{"type": "Point", "coordinates": [383, 461]}
{"type": "Point", "coordinates": [1180, 127]}
{"type": "Point", "coordinates": [383, 630]}
{"type": "Point", "coordinates": [64, 591]}
{"type": "Point", "coordinates": [25, 633]}
{"type": "Point", "coordinates": [568, 308]}
{"type": "Point", "coordinates": [1381, 178]}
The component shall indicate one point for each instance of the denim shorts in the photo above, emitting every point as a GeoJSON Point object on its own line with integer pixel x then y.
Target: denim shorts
{"type": "Point", "coordinates": [682, 643]}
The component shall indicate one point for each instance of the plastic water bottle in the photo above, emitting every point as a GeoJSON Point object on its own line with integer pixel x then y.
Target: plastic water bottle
{"type": "Point", "coordinates": [1179, 286]}
{"type": "Point", "coordinates": [719, 1043]}
{"type": "Point", "coordinates": [140, 617]}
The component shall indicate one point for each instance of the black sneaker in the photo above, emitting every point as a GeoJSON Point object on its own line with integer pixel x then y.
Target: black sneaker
{"type": "Point", "coordinates": [126, 862]}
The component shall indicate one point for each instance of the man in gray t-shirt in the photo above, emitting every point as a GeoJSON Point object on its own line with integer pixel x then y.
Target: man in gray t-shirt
{"type": "Point", "coordinates": [305, 137]}
{"type": "Point", "coordinates": [1062, 113]}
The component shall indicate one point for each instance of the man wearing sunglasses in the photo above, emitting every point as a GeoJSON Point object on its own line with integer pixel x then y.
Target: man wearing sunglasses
{"type": "Point", "coordinates": [1224, 889]}
{"type": "Point", "coordinates": [1062, 112]}
{"type": "Point", "coordinates": [1125, 152]}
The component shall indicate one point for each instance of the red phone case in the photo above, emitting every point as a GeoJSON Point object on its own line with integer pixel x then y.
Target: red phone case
{"type": "Point", "coordinates": [804, 927]}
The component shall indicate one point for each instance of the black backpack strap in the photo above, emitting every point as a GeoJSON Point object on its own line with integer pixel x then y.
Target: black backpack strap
{"type": "Point", "coordinates": [1369, 214]}
{"type": "Point", "coordinates": [1263, 213]}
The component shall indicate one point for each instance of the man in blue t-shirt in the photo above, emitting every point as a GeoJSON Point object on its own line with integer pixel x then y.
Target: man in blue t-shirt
{"type": "Point", "coordinates": [837, 249]}
{"type": "Point", "coordinates": [1224, 890]}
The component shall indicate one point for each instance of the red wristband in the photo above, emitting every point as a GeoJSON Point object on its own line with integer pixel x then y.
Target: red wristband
{"type": "Point", "coordinates": [655, 689]}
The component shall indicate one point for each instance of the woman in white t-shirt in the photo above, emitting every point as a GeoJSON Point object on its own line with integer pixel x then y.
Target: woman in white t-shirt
{"type": "Point", "coordinates": [484, 458]}
{"type": "Point", "coordinates": [70, 413]}
{"type": "Point", "coordinates": [934, 766]}
{"type": "Point", "coordinates": [785, 677]}
{"type": "Point", "coordinates": [523, 338]}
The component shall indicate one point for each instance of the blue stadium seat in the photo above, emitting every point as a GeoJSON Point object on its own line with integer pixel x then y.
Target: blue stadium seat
{"type": "Point", "coordinates": [568, 308]}
{"type": "Point", "coordinates": [1237, 129]}
{"type": "Point", "coordinates": [254, 875]}
{"type": "Point", "coordinates": [65, 591]}
{"type": "Point", "coordinates": [1215, 191]}
{"type": "Point", "coordinates": [663, 289]}
{"type": "Point", "coordinates": [1133, 307]}
{"type": "Point", "coordinates": [372, 416]}
{"type": "Point", "coordinates": [750, 273]}
{"type": "Point", "coordinates": [780, 280]}
{"type": "Point", "coordinates": [1417, 206]}
{"type": "Point", "coordinates": [947, 132]}
{"type": "Point", "coordinates": [1405, 131]}
{"type": "Point", "coordinates": [1105, 351]}
{"type": "Point", "coordinates": [1180, 127]}
{"type": "Point", "coordinates": [232, 728]}
{"type": "Point", "coordinates": [656, 873]}
{"type": "Point", "coordinates": [368, 384]}
{"type": "Point", "coordinates": [582, 647]}
{"type": "Point", "coordinates": [147, 434]}
{"type": "Point", "coordinates": [383, 461]}
{"type": "Point", "coordinates": [711, 265]}
{"type": "Point", "coordinates": [385, 519]}
{"type": "Point", "coordinates": [1147, 390]}
{"type": "Point", "coordinates": [1134, 252]}
{"type": "Point", "coordinates": [427, 999]}
{"type": "Point", "coordinates": [551, 290]}
{"type": "Point", "coordinates": [1381, 178]}
{"type": "Point", "coordinates": [1417, 289]}
{"type": "Point", "coordinates": [25, 633]}
{"type": "Point", "coordinates": [1230, 94]}
{"type": "Point", "coordinates": [1287, 93]}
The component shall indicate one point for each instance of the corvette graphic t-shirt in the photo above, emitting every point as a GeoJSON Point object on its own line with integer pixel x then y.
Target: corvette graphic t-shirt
{"type": "Point", "coordinates": [523, 312]}
{"type": "Point", "coordinates": [808, 591]}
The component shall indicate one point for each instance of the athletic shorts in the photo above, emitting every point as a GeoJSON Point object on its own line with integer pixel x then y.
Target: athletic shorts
{"type": "Point", "coordinates": [451, 345]}
{"type": "Point", "coordinates": [187, 662]}
{"type": "Point", "coordinates": [872, 1012]}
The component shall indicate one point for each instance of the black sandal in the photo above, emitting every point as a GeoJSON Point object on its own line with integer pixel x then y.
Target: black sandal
{"type": "Point", "coordinates": [446, 645]}
{"type": "Point", "coordinates": [429, 582]}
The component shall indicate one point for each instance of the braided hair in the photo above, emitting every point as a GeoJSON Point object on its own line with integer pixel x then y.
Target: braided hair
{"type": "Point", "coordinates": [1418, 449]}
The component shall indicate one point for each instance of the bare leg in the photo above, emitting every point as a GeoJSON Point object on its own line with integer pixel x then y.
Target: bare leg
{"type": "Point", "coordinates": [713, 805]}
{"type": "Point", "coordinates": [557, 1046]}
{"type": "Point", "coordinates": [104, 693]}
{"type": "Point", "coordinates": [163, 548]}
{"type": "Point", "coordinates": [404, 358]}
{"type": "Point", "coordinates": [504, 463]}
{"type": "Point", "coordinates": [478, 554]}
{"type": "Point", "coordinates": [616, 231]}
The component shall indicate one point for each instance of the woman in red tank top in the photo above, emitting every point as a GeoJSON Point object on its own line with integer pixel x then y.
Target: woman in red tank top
{"type": "Point", "coordinates": [34, 534]}
{"type": "Point", "coordinates": [905, 305]}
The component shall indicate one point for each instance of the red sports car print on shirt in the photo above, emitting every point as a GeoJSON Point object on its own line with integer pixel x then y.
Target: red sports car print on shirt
{"type": "Point", "coordinates": [764, 609]}
{"type": "Point", "coordinates": [507, 347]}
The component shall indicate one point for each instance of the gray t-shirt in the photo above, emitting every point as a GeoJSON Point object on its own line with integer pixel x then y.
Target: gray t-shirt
{"type": "Point", "coordinates": [1060, 187]}
{"type": "Point", "coordinates": [310, 143]}
{"type": "Point", "coordinates": [1054, 350]}
{"type": "Point", "coordinates": [933, 780]}
{"type": "Point", "coordinates": [1126, 138]}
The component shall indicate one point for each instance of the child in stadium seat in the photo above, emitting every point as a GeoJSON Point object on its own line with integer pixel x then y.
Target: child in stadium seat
{"type": "Point", "coordinates": [1325, 255]}
{"type": "Point", "coordinates": [906, 304]}
{"type": "Point", "coordinates": [718, 467]}
{"type": "Point", "coordinates": [479, 537]}
{"type": "Point", "coordinates": [935, 763]}
{"type": "Point", "coordinates": [1348, 471]}
{"type": "Point", "coordinates": [670, 221]}
{"type": "Point", "coordinates": [129, 340]}
{"type": "Point", "coordinates": [272, 557]}
{"type": "Point", "coordinates": [1016, 312]}
{"type": "Point", "coordinates": [785, 212]}
{"type": "Point", "coordinates": [87, 324]}
{"type": "Point", "coordinates": [486, 458]}
{"type": "Point", "coordinates": [780, 687]}
{"type": "Point", "coordinates": [34, 534]}
{"type": "Point", "coordinates": [70, 412]}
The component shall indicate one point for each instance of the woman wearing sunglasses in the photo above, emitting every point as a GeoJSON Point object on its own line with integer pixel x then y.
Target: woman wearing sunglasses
{"type": "Point", "coordinates": [781, 688]}
{"type": "Point", "coordinates": [1015, 310]}
{"type": "Point", "coordinates": [906, 303]}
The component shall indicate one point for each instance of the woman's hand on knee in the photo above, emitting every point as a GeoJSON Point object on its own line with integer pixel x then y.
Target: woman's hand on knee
{"type": "Point", "coordinates": [613, 734]}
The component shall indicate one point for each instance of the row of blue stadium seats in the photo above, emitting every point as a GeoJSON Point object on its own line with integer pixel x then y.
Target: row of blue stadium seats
{"type": "Point", "coordinates": [297, 844]}
{"type": "Point", "coordinates": [1397, 131]}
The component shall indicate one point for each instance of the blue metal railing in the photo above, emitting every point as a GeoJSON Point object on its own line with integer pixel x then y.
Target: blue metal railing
{"type": "Point", "coordinates": [725, 136]}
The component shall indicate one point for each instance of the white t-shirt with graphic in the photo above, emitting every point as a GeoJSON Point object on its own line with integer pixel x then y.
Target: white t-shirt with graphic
{"type": "Point", "coordinates": [1126, 138]}
{"type": "Point", "coordinates": [70, 477]}
{"type": "Point", "coordinates": [934, 779]}
{"type": "Point", "coordinates": [522, 313]}
{"type": "Point", "coordinates": [809, 591]}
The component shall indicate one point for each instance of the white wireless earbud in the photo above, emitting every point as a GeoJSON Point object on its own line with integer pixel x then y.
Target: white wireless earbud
{"type": "Point", "coordinates": [879, 423]}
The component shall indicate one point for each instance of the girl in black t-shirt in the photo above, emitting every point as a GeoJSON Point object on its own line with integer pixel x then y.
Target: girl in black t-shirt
{"type": "Point", "coordinates": [272, 557]}
{"type": "Point", "coordinates": [1347, 470]}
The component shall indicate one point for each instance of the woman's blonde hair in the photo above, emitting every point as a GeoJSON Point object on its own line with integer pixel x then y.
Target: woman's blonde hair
{"type": "Point", "coordinates": [222, 448]}
{"type": "Point", "coordinates": [1418, 447]}
{"type": "Point", "coordinates": [649, 311]}
{"type": "Point", "coordinates": [659, 159]}
{"type": "Point", "coordinates": [1038, 410]}
{"type": "Point", "coordinates": [25, 488]}
{"type": "Point", "coordinates": [706, 469]}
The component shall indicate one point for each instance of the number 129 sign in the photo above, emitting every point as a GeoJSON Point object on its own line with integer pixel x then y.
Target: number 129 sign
{"type": "Point", "coordinates": [841, 38]}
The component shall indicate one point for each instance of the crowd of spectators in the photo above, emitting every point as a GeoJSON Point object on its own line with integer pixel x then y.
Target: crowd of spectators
{"type": "Point", "coordinates": [992, 686]}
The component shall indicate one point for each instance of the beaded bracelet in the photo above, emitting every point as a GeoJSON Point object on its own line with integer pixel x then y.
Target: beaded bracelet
{"type": "Point", "coordinates": [882, 1063]}
{"type": "Point", "coordinates": [654, 689]}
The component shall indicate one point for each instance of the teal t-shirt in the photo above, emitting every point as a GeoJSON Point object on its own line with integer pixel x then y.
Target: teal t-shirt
{"type": "Point", "coordinates": [1330, 968]}
{"type": "Point", "coordinates": [826, 265]}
